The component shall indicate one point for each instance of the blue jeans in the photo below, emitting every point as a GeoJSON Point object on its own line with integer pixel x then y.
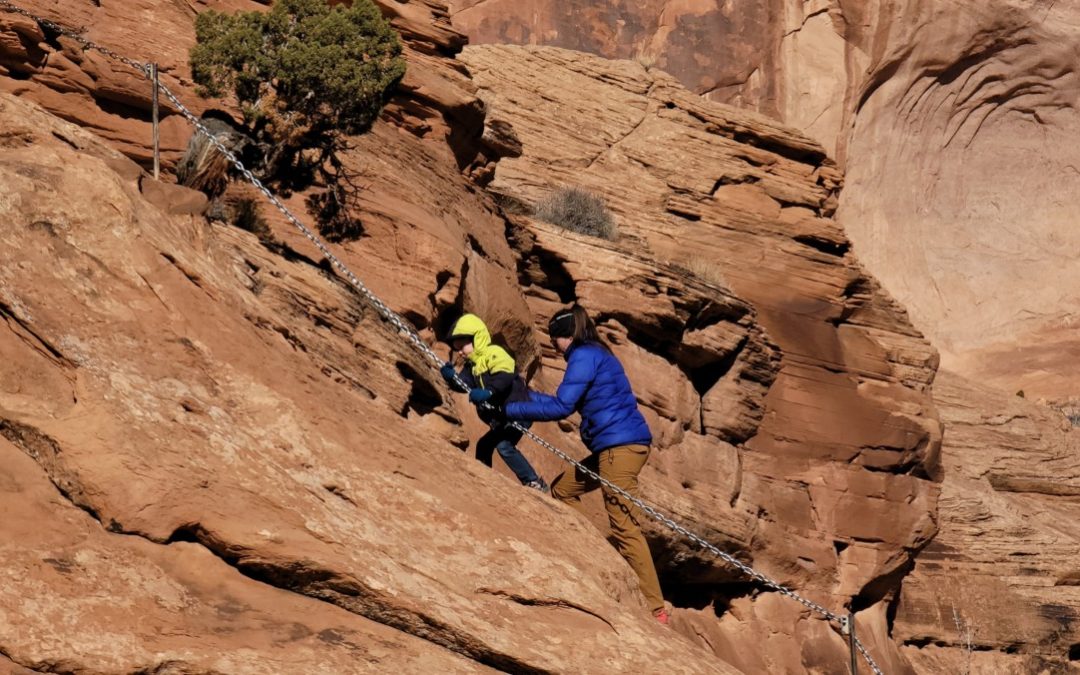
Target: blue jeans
{"type": "Point", "coordinates": [504, 439]}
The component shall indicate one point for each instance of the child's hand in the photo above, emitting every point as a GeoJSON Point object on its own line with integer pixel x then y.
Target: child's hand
{"type": "Point", "coordinates": [479, 395]}
{"type": "Point", "coordinates": [448, 372]}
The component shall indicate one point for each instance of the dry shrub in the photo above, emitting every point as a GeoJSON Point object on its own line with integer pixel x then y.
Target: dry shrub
{"type": "Point", "coordinates": [247, 215]}
{"type": "Point", "coordinates": [707, 270]}
{"type": "Point", "coordinates": [578, 210]}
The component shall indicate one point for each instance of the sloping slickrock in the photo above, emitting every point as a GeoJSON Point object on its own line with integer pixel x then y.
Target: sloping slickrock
{"type": "Point", "coordinates": [1003, 572]}
{"type": "Point", "coordinates": [182, 383]}
{"type": "Point", "coordinates": [82, 599]}
{"type": "Point", "coordinates": [424, 225]}
{"type": "Point", "coordinates": [838, 467]}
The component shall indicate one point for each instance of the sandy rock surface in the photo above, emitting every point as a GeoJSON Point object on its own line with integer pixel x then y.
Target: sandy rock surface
{"type": "Point", "coordinates": [200, 397]}
{"type": "Point", "coordinates": [953, 121]}
{"type": "Point", "coordinates": [834, 491]}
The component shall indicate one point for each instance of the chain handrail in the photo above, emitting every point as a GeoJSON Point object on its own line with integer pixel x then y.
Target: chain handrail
{"type": "Point", "coordinates": [403, 327]}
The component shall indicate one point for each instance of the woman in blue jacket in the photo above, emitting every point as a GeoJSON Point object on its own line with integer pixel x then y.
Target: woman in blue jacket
{"type": "Point", "coordinates": [612, 427]}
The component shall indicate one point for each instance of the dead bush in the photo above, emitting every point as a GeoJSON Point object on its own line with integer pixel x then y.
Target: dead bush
{"type": "Point", "coordinates": [707, 270]}
{"type": "Point", "coordinates": [578, 210]}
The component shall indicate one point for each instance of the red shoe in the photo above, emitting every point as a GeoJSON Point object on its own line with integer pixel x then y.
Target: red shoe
{"type": "Point", "coordinates": [662, 616]}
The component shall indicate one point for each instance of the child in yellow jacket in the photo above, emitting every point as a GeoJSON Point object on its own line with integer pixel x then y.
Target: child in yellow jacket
{"type": "Point", "coordinates": [491, 376]}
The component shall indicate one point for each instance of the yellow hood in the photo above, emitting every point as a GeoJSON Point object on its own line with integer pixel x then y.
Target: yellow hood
{"type": "Point", "coordinates": [486, 357]}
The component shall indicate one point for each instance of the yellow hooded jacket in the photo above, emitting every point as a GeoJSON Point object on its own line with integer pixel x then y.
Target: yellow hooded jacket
{"type": "Point", "coordinates": [486, 357]}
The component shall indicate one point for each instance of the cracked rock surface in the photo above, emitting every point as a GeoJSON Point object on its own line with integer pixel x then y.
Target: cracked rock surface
{"type": "Point", "coordinates": [1003, 573]}
{"type": "Point", "coordinates": [954, 123]}
{"type": "Point", "coordinates": [826, 399]}
{"type": "Point", "coordinates": [208, 401]}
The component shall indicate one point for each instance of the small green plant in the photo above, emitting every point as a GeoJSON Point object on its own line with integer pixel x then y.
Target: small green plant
{"type": "Point", "coordinates": [305, 75]}
{"type": "Point", "coordinates": [579, 211]}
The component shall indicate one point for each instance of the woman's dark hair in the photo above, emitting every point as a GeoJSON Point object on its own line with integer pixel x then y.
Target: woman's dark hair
{"type": "Point", "coordinates": [576, 324]}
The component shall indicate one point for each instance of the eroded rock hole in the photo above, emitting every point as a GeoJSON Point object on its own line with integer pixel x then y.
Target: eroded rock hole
{"type": "Point", "coordinates": [880, 588]}
{"type": "Point", "coordinates": [418, 320]}
{"type": "Point", "coordinates": [703, 596]}
{"type": "Point", "coordinates": [556, 278]}
{"type": "Point", "coordinates": [424, 398]}
{"type": "Point", "coordinates": [827, 246]}
{"type": "Point", "coordinates": [705, 377]}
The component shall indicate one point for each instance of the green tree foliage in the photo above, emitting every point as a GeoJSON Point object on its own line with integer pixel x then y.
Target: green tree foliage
{"type": "Point", "coordinates": [305, 74]}
{"type": "Point", "coordinates": [333, 66]}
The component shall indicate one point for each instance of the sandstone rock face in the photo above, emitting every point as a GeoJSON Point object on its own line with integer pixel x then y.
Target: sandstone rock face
{"type": "Point", "coordinates": [830, 489]}
{"type": "Point", "coordinates": [954, 124]}
{"type": "Point", "coordinates": [785, 58]}
{"type": "Point", "coordinates": [256, 456]}
{"type": "Point", "coordinates": [961, 185]}
{"type": "Point", "coordinates": [997, 589]}
{"type": "Point", "coordinates": [707, 43]}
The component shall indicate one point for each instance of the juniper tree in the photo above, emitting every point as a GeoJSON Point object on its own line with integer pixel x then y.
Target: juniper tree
{"type": "Point", "coordinates": [305, 75]}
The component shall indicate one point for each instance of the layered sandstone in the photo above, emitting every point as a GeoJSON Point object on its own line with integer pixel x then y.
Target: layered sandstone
{"type": "Point", "coordinates": [139, 345]}
{"type": "Point", "coordinates": [694, 39]}
{"type": "Point", "coordinates": [225, 405]}
{"type": "Point", "coordinates": [998, 589]}
{"type": "Point", "coordinates": [828, 483]}
{"type": "Point", "coordinates": [252, 450]}
{"type": "Point", "coordinates": [962, 184]}
{"type": "Point", "coordinates": [788, 59]}
{"type": "Point", "coordinates": [954, 124]}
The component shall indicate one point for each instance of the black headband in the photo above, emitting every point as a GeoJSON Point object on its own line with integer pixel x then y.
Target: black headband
{"type": "Point", "coordinates": [562, 325]}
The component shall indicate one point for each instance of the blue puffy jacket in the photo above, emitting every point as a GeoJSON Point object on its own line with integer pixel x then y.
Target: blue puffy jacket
{"type": "Point", "coordinates": [596, 386]}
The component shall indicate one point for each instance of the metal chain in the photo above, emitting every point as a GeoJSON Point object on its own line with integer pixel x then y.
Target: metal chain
{"type": "Point", "coordinates": [866, 655]}
{"type": "Point", "coordinates": [403, 327]}
{"type": "Point", "coordinates": [63, 30]}
{"type": "Point", "coordinates": [410, 333]}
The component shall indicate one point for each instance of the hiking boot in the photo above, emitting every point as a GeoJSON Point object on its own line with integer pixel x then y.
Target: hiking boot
{"type": "Point", "coordinates": [662, 616]}
{"type": "Point", "coordinates": [540, 485]}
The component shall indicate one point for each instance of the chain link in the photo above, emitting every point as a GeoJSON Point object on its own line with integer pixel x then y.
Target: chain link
{"type": "Point", "coordinates": [406, 330]}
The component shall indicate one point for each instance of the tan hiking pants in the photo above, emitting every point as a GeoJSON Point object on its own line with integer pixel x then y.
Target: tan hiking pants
{"type": "Point", "coordinates": [619, 465]}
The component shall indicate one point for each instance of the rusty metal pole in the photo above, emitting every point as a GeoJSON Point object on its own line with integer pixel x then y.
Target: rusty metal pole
{"type": "Point", "coordinates": [157, 135]}
{"type": "Point", "coordinates": [851, 644]}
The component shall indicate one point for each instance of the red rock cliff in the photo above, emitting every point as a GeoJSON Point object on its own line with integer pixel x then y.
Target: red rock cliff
{"type": "Point", "coordinates": [210, 404]}
{"type": "Point", "coordinates": [952, 120]}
